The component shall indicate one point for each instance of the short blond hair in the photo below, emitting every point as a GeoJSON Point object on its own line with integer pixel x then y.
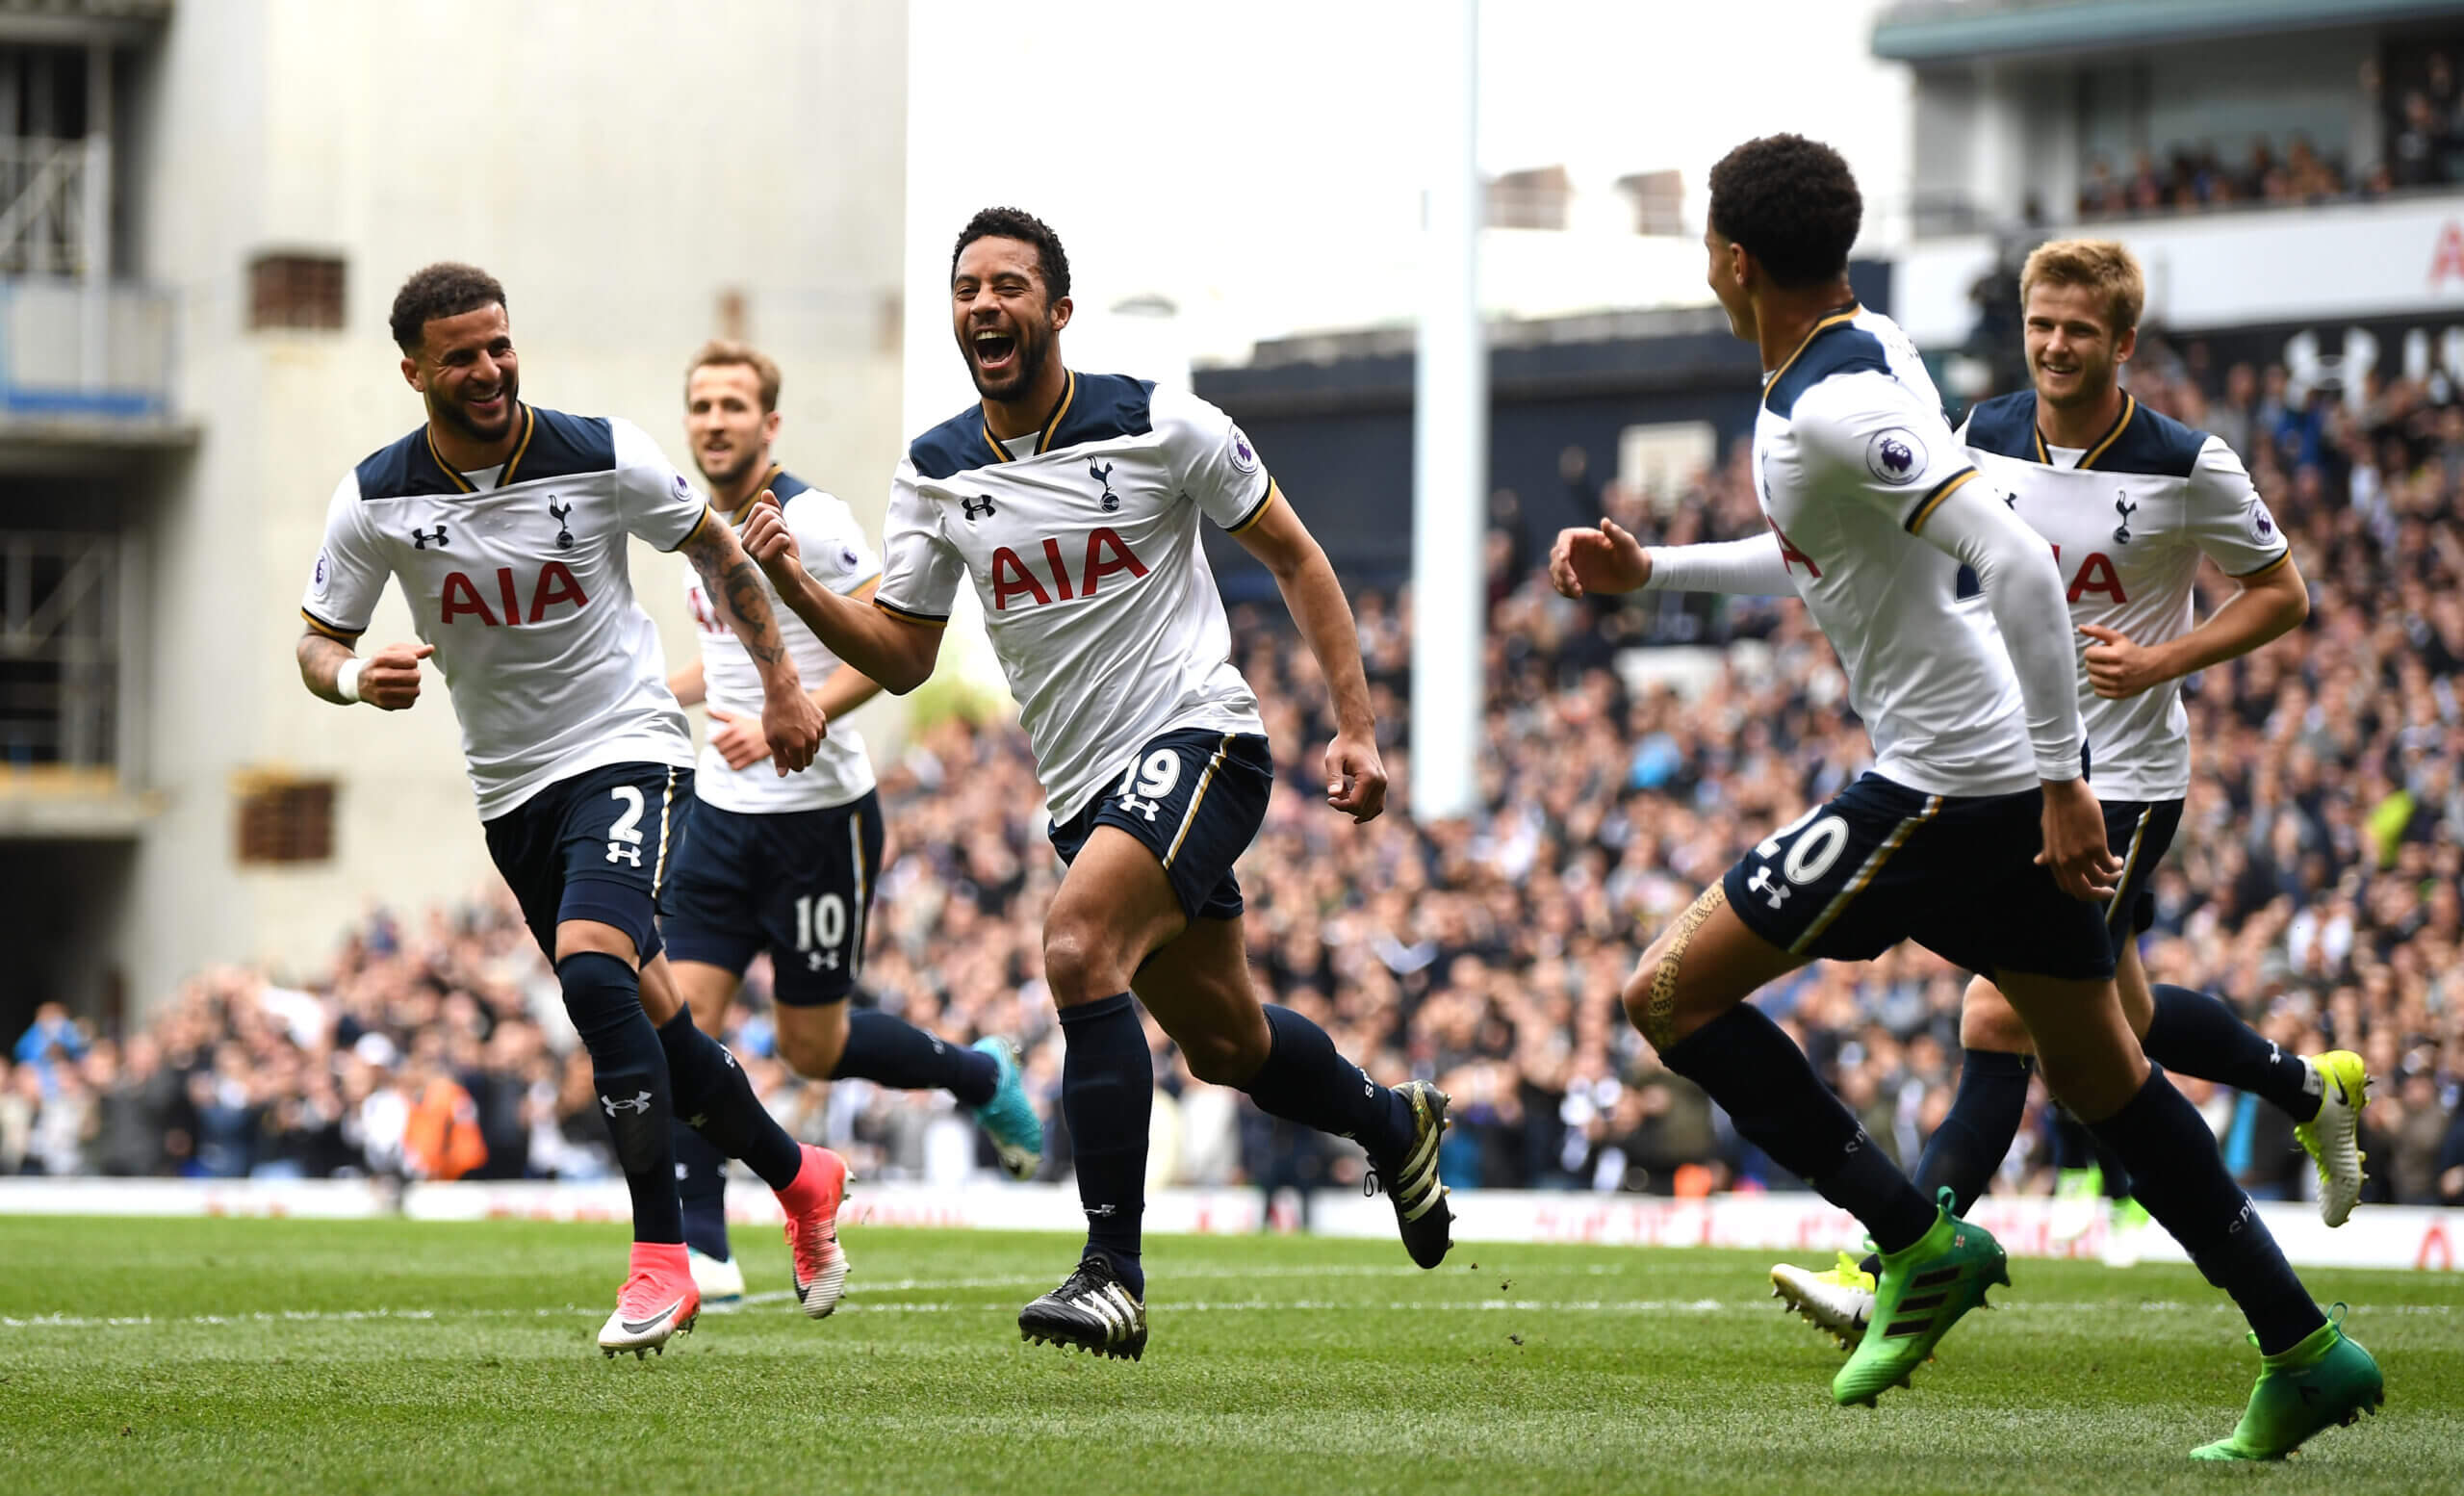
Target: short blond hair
{"type": "Point", "coordinates": [728, 350]}
{"type": "Point", "coordinates": [2101, 265]}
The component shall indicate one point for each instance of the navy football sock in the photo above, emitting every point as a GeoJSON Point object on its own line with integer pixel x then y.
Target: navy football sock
{"type": "Point", "coordinates": [701, 1189]}
{"type": "Point", "coordinates": [893, 1052]}
{"type": "Point", "coordinates": [2194, 1034]}
{"type": "Point", "coordinates": [1753, 1069]}
{"type": "Point", "coordinates": [1976, 1135]}
{"type": "Point", "coordinates": [1107, 1098]}
{"type": "Point", "coordinates": [714, 1095]}
{"type": "Point", "coordinates": [1304, 1080]}
{"type": "Point", "coordinates": [2180, 1178]}
{"type": "Point", "coordinates": [629, 1070]}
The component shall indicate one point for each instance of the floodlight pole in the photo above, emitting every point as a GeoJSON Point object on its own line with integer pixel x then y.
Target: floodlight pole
{"type": "Point", "coordinates": [1451, 436]}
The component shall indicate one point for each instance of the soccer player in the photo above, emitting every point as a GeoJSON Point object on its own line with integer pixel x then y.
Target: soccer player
{"type": "Point", "coordinates": [789, 864]}
{"type": "Point", "coordinates": [1071, 503]}
{"type": "Point", "coordinates": [505, 526]}
{"type": "Point", "coordinates": [2131, 500]}
{"type": "Point", "coordinates": [1975, 834]}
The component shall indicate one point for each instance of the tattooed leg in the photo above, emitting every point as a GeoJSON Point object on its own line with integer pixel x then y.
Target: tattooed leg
{"type": "Point", "coordinates": [1658, 1018]}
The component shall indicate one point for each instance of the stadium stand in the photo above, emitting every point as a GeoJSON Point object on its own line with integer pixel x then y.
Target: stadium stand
{"type": "Point", "coordinates": [2316, 884]}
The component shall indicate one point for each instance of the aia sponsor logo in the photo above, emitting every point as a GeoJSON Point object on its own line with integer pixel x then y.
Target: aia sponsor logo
{"type": "Point", "coordinates": [1047, 579]}
{"type": "Point", "coordinates": [555, 584]}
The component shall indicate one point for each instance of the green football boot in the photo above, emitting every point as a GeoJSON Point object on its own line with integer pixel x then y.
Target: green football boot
{"type": "Point", "coordinates": [2325, 1381]}
{"type": "Point", "coordinates": [1920, 1293]}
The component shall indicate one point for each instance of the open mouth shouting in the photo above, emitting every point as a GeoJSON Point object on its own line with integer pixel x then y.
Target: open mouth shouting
{"type": "Point", "coordinates": [994, 352]}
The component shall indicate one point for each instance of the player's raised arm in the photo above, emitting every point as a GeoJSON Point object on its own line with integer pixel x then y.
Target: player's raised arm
{"type": "Point", "coordinates": [1355, 775]}
{"type": "Point", "coordinates": [790, 722]}
{"type": "Point", "coordinates": [662, 507]}
{"type": "Point", "coordinates": [893, 641]}
{"type": "Point", "coordinates": [2232, 525]}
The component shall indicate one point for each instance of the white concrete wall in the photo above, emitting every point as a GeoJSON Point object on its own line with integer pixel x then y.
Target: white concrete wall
{"type": "Point", "coordinates": [619, 165]}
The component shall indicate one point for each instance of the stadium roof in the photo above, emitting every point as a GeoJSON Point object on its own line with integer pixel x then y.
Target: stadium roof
{"type": "Point", "coordinates": [1945, 31]}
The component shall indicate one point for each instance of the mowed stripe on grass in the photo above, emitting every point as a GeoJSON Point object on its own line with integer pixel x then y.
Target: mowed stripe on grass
{"type": "Point", "coordinates": [212, 1355]}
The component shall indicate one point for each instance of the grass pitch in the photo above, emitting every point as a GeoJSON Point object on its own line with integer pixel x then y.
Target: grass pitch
{"type": "Point", "coordinates": [273, 1355]}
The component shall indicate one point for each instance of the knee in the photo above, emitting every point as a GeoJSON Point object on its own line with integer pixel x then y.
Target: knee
{"type": "Point", "coordinates": [1080, 963]}
{"type": "Point", "coordinates": [1221, 1058]}
{"type": "Point", "coordinates": [1655, 996]}
{"type": "Point", "coordinates": [1989, 1022]}
{"type": "Point", "coordinates": [1231, 1055]}
{"type": "Point", "coordinates": [812, 1055]}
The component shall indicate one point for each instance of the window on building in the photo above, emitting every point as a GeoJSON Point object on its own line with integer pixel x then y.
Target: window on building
{"type": "Point", "coordinates": [1660, 202]}
{"type": "Point", "coordinates": [296, 291]}
{"type": "Point", "coordinates": [1539, 199]}
{"type": "Point", "coordinates": [287, 820]}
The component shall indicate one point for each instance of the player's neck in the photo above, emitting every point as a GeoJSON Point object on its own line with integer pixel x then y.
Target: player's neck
{"type": "Point", "coordinates": [1036, 405]}
{"type": "Point", "coordinates": [2081, 425]}
{"type": "Point", "coordinates": [467, 453]}
{"type": "Point", "coordinates": [1783, 319]}
{"type": "Point", "coordinates": [737, 492]}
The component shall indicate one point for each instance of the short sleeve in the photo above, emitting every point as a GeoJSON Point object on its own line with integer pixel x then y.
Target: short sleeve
{"type": "Point", "coordinates": [2226, 517]}
{"type": "Point", "coordinates": [350, 570]}
{"type": "Point", "coordinates": [920, 569]}
{"type": "Point", "coordinates": [654, 501]}
{"type": "Point", "coordinates": [1894, 449]}
{"type": "Point", "coordinates": [1212, 456]}
{"type": "Point", "coordinates": [836, 550]}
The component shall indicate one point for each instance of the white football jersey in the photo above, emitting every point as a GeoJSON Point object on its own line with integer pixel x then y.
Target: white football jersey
{"type": "Point", "coordinates": [1851, 457]}
{"type": "Point", "coordinates": [523, 589]}
{"type": "Point", "coordinates": [838, 556]}
{"type": "Point", "coordinates": [2129, 519]}
{"type": "Point", "coordinates": [1082, 543]}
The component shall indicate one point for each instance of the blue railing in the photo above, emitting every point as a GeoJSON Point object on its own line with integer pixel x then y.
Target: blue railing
{"type": "Point", "coordinates": [68, 349]}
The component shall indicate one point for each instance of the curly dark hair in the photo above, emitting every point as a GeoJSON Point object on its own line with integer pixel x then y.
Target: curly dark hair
{"type": "Point", "coordinates": [1792, 204]}
{"type": "Point", "coordinates": [1019, 225]}
{"type": "Point", "coordinates": [448, 288]}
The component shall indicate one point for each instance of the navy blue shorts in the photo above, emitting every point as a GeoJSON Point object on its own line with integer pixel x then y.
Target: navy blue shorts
{"type": "Point", "coordinates": [594, 846]}
{"type": "Point", "coordinates": [1196, 799]}
{"type": "Point", "coordinates": [1882, 864]}
{"type": "Point", "coordinates": [799, 883]}
{"type": "Point", "coordinates": [2140, 832]}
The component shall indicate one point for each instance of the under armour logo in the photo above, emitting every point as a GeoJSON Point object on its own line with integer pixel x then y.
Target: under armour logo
{"type": "Point", "coordinates": [2125, 508]}
{"type": "Point", "coordinates": [1104, 475]}
{"type": "Point", "coordinates": [1774, 892]}
{"type": "Point", "coordinates": [1098, 1212]}
{"type": "Point", "coordinates": [564, 531]}
{"type": "Point", "coordinates": [976, 508]}
{"type": "Point", "coordinates": [420, 539]}
{"type": "Point", "coordinates": [624, 852]}
{"type": "Point", "coordinates": [1145, 808]}
{"type": "Point", "coordinates": [640, 1103]}
{"type": "Point", "coordinates": [820, 959]}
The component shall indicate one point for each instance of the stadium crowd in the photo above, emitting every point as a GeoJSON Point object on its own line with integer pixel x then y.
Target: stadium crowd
{"type": "Point", "coordinates": [1632, 749]}
{"type": "Point", "coordinates": [2414, 92]}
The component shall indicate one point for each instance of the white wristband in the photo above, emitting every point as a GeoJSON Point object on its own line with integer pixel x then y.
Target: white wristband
{"type": "Point", "coordinates": [346, 679]}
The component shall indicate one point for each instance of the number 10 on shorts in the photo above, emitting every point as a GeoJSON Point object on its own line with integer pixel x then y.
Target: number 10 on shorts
{"type": "Point", "coordinates": [821, 921]}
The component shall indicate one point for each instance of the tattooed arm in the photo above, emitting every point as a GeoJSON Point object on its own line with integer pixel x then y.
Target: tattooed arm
{"type": "Point", "coordinates": [790, 720]}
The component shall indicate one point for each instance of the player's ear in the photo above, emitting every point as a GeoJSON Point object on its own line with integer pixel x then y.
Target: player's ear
{"type": "Point", "coordinates": [2126, 344]}
{"type": "Point", "coordinates": [769, 433]}
{"type": "Point", "coordinates": [1060, 313]}
{"type": "Point", "coordinates": [411, 373]}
